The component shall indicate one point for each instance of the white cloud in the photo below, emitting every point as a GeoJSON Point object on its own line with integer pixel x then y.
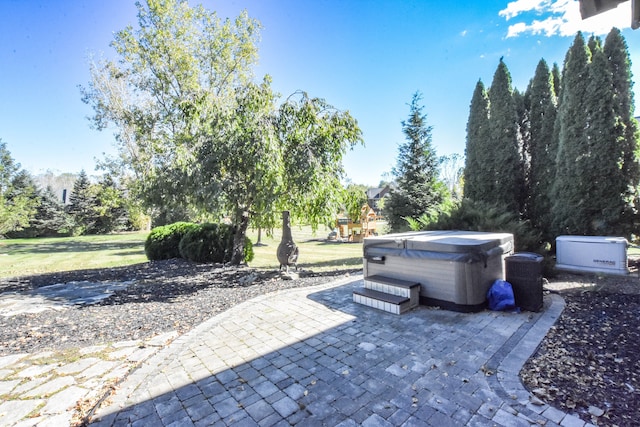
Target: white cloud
{"type": "Point", "coordinates": [561, 17]}
{"type": "Point", "coordinates": [515, 8]}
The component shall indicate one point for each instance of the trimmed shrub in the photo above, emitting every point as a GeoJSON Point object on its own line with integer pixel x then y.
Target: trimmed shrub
{"type": "Point", "coordinates": [207, 243]}
{"type": "Point", "coordinates": [164, 242]}
{"type": "Point", "coordinates": [212, 243]}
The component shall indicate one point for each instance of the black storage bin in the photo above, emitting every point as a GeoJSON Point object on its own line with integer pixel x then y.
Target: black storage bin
{"type": "Point", "coordinates": [524, 272]}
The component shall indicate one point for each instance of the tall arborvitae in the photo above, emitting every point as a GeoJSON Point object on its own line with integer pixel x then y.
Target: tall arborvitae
{"type": "Point", "coordinates": [542, 107]}
{"type": "Point", "coordinates": [617, 54]}
{"type": "Point", "coordinates": [505, 163]}
{"type": "Point", "coordinates": [569, 190]}
{"type": "Point", "coordinates": [557, 79]}
{"type": "Point", "coordinates": [418, 190]}
{"type": "Point", "coordinates": [598, 167]}
{"type": "Point", "coordinates": [476, 175]}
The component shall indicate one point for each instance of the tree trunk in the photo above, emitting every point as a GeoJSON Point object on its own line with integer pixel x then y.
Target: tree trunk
{"type": "Point", "coordinates": [237, 256]}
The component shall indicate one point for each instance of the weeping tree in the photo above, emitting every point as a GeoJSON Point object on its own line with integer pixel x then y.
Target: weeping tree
{"type": "Point", "coordinates": [197, 135]}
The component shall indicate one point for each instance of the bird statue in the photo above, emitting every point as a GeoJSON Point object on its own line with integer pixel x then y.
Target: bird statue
{"type": "Point", "coordinates": [287, 249]}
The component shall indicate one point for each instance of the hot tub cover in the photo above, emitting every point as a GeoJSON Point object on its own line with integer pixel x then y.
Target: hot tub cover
{"type": "Point", "coordinates": [459, 246]}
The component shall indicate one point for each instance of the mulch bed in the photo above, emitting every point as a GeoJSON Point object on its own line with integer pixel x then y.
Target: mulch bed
{"type": "Point", "coordinates": [589, 363]}
{"type": "Point", "coordinates": [172, 295]}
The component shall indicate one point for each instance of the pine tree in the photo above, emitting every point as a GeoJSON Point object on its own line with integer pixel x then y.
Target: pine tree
{"type": "Point", "coordinates": [51, 219]}
{"type": "Point", "coordinates": [476, 174]}
{"type": "Point", "coordinates": [418, 191]}
{"type": "Point", "coordinates": [505, 163]}
{"type": "Point", "coordinates": [542, 153]}
{"type": "Point", "coordinates": [569, 190]}
{"type": "Point", "coordinates": [82, 205]}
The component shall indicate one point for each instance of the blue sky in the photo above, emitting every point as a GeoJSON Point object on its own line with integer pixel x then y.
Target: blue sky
{"type": "Point", "coordinates": [367, 57]}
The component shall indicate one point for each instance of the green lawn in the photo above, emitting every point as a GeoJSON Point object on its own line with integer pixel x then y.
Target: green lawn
{"type": "Point", "coordinates": [22, 257]}
{"type": "Point", "coordinates": [316, 253]}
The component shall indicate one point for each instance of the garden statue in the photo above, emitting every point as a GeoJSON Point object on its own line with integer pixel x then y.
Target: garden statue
{"type": "Point", "coordinates": [287, 249]}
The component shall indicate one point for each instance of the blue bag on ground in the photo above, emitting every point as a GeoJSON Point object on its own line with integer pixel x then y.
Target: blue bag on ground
{"type": "Point", "coordinates": [500, 296]}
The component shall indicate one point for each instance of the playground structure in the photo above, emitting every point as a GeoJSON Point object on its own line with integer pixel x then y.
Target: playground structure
{"type": "Point", "coordinates": [350, 231]}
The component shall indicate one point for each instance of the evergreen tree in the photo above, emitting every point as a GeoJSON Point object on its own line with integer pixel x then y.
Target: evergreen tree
{"type": "Point", "coordinates": [418, 190]}
{"type": "Point", "coordinates": [50, 220]}
{"type": "Point", "coordinates": [617, 54]}
{"type": "Point", "coordinates": [598, 166]}
{"type": "Point", "coordinates": [542, 153]}
{"type": "Point", "coordinates": [506, 168]}
{"type": "Point", "coordinates": [557, 79]}
{"type": "Point", "coordinates": [82, 205]}
{"type": "Point", "coordinates": [476, 173]}
{"type": "Point", "coordinates": [569, 190]}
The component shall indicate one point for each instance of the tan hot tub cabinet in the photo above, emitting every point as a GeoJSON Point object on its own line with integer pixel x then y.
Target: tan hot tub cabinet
{"type": "Point", "coordinates": [455, 269]}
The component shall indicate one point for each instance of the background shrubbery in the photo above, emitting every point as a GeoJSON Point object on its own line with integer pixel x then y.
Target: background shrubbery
{"type": "Point", "coordinates": [481, 216]}
{"type": "Point", "coordinates": [194, 242]}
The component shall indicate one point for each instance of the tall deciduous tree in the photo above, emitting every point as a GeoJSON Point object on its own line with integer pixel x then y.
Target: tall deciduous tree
{"type": "Point", "coordinates": [199, 134]}
{"type": "Point", "coordinates": [110, 207]}
{"type": "Point", "coordinates": [418, 190]}
{"type": "Point", "coordinates": [452, 174]}
{"type": "Point", "coordinates": [477, 180]}
{"type": "Point", "coordinates": [505, 164]}
{"type": "Point", "coordinates": [175, 72]}
{"type": "Point", "coordinates": [18, 198]}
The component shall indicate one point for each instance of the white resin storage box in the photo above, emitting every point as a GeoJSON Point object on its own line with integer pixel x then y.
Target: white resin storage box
{"type": "Point", "coordinates": [455, 269]}
{"type": "Point", "coordinates": [592, 254]}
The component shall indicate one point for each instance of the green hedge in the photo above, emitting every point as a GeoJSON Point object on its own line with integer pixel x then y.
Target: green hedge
{"type": "Point", "coordinates": [164, 242]}
{"type": "Point", "coordinates": [199, 243]}
{"type": "Point", "coordinates": [207, 243]}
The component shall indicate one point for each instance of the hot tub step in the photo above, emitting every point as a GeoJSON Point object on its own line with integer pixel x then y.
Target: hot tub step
{"type": "Point", "coordinates": [393, 286]}
{"type": "Point", "coordinates": [382, 301]}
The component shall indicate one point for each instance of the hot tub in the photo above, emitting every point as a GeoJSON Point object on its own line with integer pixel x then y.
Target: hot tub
{"type": "Point", "coordinates": [455, 269]}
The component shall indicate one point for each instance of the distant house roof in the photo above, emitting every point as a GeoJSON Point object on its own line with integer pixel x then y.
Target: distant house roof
{"type": "Point", "coordinates": [377, 193]}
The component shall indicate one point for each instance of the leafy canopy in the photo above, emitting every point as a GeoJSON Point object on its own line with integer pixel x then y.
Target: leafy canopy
{"type": "Point", "coordinates": [199, 139]}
